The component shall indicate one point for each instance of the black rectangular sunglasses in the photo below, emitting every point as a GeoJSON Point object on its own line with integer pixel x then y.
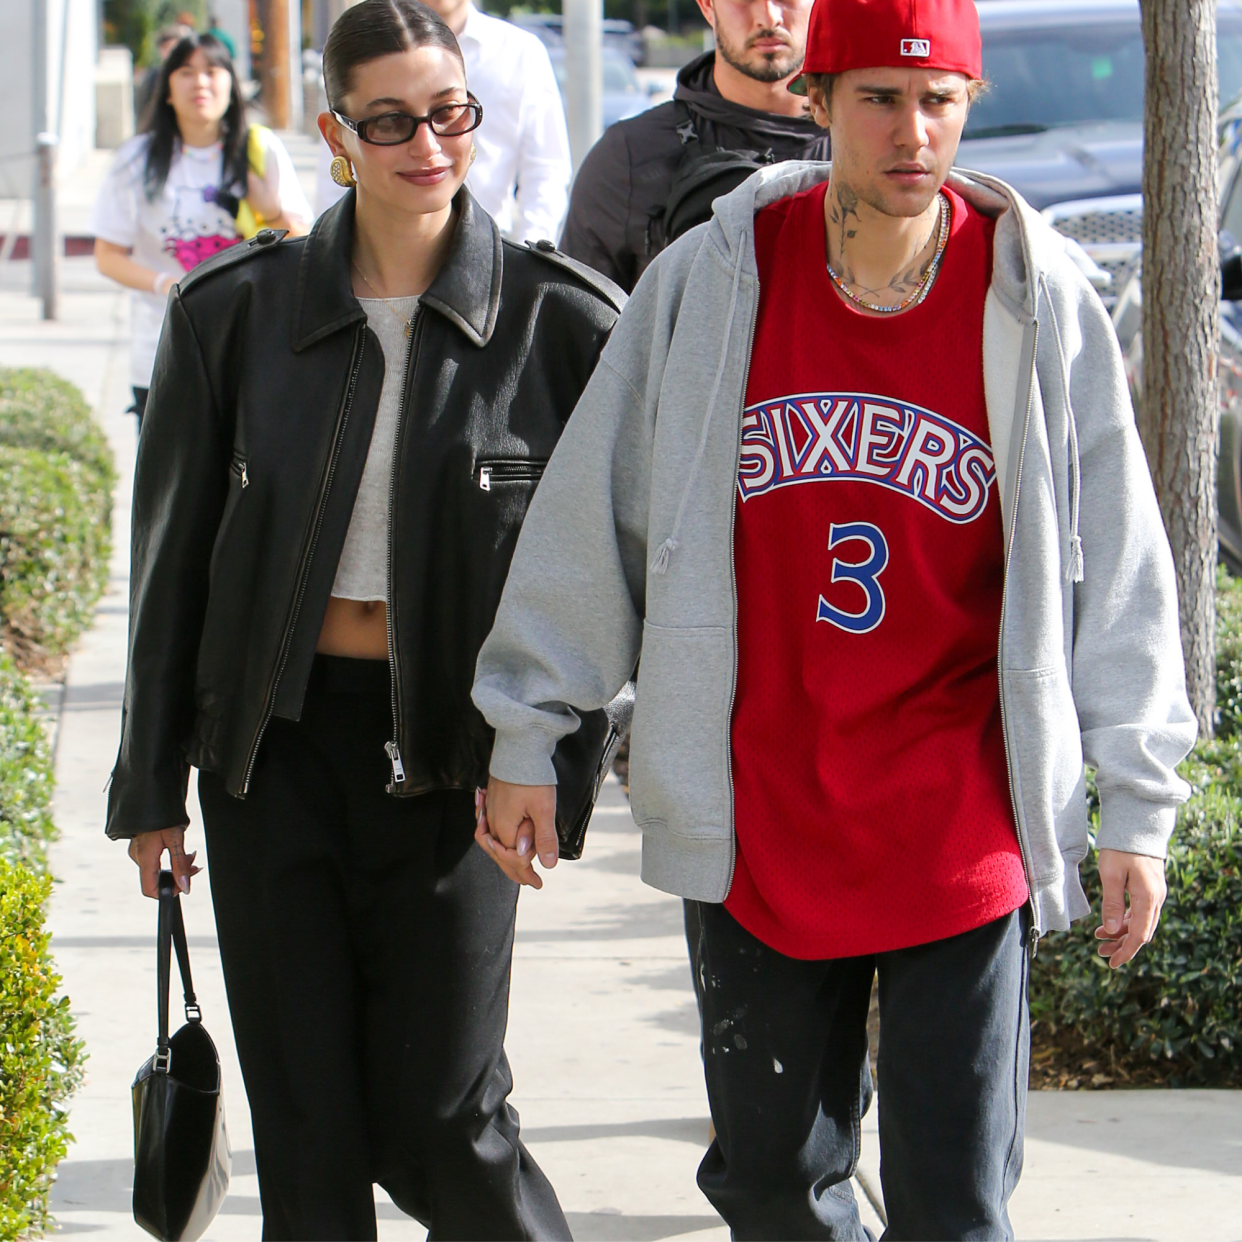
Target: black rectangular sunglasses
{"type": "Point", "coordinates": [390, 129]}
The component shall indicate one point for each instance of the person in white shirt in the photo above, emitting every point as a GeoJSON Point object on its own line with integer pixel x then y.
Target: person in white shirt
{"type": "Point", "coordinates": [522, 173]}
{"type": "Point", "coordinates": [197, 180]}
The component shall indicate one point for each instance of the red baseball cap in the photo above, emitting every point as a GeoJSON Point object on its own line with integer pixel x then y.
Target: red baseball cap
{"type": "Point", "coordinates": [898, 34]}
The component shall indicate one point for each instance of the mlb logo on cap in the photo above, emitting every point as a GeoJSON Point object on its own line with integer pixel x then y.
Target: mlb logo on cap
{"type": "Point", "coordinates": [899, 34]}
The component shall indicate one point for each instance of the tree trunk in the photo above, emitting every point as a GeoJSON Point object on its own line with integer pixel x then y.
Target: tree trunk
{"type": "Point", "coordinates": [1181, 313]}
{"type": "Point", "coordinates": [276, 84]}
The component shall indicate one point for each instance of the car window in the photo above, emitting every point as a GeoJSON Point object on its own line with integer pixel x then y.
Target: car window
{"type": "Point", "coordinates": [1042, 78]}
{"type": "Point", "coordinates": [619, 77]}
{"type": "Point", "coordinates": [1231, 217]}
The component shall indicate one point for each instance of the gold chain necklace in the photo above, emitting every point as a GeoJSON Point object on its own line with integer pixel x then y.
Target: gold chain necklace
{"type": "Point", "coordinates": [409, 323]}
{"type": "Point", "coordinates": [924, 287]}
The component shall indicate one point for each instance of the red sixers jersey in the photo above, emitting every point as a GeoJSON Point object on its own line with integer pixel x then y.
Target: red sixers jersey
{"type": "Point", "coordinates": [871, 795]}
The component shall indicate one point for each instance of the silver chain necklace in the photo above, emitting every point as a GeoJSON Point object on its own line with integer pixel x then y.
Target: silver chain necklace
{"type": "Point", "coordinates": [924, 287]}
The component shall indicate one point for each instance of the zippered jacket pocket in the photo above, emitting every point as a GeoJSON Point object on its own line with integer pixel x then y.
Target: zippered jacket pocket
{"type": "Point", "coordinates": [497, 471]}
{"type": "Point", "coordinates": [239, 468]}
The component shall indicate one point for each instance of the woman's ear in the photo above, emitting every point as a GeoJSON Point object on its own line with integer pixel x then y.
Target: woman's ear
{"type": "Point", "coordinates": [330, 128]}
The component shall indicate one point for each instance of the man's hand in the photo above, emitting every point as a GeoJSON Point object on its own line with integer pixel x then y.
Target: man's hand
{"type": "Point", "coordinates": [1126, 931]}
{"type": "Point", "coordinates": [516, 822]}
{"type": "Point", "coordinates": [147, 848]}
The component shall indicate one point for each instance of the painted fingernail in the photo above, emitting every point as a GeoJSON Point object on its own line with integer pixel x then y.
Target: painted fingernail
{"type": "Point", "coordinates": [183, 883]}
{"type": "Point", "coordinates": [523, 846]}
{"type": "Point", "coordinates": [547, 859]}
{"type": "Point", "coordinates": [1111, 925]}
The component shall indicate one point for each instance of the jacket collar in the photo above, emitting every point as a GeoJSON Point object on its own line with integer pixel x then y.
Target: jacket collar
{"type": "Point", "coordinates": [466, 291]}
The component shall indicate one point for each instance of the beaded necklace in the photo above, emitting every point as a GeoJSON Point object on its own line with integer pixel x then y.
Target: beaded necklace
{"type": "Point", "coordinates": [924, 287]}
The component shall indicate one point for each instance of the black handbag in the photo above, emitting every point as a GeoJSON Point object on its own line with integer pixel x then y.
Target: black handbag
{"type": "Point", "coordinates": [582, 760]}
{"type": "Point", "coordinates": [182, 1160]}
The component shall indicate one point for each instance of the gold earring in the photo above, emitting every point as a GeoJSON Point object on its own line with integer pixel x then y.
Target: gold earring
{"type": "Point", "coordinates": [342, 172]}
{"type": "Point", "coordinates": [474, 152]}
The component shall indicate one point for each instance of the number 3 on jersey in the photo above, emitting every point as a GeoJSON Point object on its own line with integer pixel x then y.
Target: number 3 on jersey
{"type": "Point", "coordinates": [865, 573]}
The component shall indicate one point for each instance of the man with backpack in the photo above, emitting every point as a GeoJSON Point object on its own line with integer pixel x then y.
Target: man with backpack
{"type": "Point", "coordinates": [857, 476]}
{"type": "Point", "coordinates": [654, 176]}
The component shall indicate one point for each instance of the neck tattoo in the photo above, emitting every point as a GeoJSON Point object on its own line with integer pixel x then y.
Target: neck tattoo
{"type": "Point", "coordinates": [847, 205]}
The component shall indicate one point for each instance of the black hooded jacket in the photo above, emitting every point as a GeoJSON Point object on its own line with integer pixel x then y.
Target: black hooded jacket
{"type": "Point", "coordinates": [625, 179]}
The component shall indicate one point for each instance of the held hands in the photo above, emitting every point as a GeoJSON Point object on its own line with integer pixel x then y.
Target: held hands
{"type": "Point", "coordinates": [1126, 931]}
{"type": "Point", "coordinates": [147, 848]}
{"type": "Point", "coordinates": [516, 823]}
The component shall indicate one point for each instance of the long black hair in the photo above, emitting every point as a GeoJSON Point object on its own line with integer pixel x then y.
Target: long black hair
{"type": "Point", "coordinates": [378, 28]}
{"type": "Point", "coordinates": [160, 120]}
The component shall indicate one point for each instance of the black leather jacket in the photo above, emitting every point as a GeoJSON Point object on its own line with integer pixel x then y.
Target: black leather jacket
{"type": "Point", "coordinates": [257, 427]}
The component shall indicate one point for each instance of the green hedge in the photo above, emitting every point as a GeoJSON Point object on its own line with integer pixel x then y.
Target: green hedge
{"type": "Point", "coordinates": [40, 1059]}
{"type": "Point", "coordinates": [26, 779]}
{"type": "Point", "coordinates": [39, 410]}
{"type": "Point", "coordinates": [56, 480]}
{"type": "Point", "coordinates": [1174, 1014]}
{"type": "Point", "coordinates": [54, 550]}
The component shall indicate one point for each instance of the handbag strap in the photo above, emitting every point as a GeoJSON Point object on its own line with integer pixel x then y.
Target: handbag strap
{"type": "Point", "coordinates": [170, 934]}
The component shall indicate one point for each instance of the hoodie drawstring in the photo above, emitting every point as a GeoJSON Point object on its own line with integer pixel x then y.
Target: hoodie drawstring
{"type": "Point", "coordinates": [1074, 570]}
{"type": "Point", "coordinates": [659, 564]}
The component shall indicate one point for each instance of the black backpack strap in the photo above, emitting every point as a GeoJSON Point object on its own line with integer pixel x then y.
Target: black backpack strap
{"type": "Point", "coordinates": [170, 934]}
{"type": "Point", "coordinates": [685, 126]}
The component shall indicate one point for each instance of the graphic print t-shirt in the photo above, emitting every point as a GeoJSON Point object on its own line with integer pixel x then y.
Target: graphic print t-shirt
{"type": "Point", "coordinates": [871, 793]}
{"type": "Point", "coordinates": [179, 228]}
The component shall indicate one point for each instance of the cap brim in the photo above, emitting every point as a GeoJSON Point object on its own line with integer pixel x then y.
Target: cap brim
{"type": "Point", "coordinates": [798, 85]}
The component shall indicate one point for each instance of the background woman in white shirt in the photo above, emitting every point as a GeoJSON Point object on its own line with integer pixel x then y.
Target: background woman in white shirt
{"type": "Point", "coordinates": [175, 192]}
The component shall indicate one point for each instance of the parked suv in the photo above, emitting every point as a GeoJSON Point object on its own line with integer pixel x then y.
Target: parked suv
{"type": "Point", "coordinates": [1062, 120]}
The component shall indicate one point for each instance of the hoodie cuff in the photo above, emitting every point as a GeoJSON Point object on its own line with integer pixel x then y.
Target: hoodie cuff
{"type": "Point", "coordinates": [524, 757]}
{"type": "Point", "coordinates": [1134, 825]}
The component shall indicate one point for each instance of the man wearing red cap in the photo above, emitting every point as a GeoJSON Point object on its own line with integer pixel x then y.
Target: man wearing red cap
{"type": "Point", "coordinates": [856, 446]}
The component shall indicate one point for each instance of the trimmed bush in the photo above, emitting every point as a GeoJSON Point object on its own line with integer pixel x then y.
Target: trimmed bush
{"type": "Point", "coordinates": [39, 410]}
{"type": "Point", "coordinates": [56, 480]}
{"type": "Point", "coordinates": [1174, 1014]}
{"type": "Point", "coordinates": [26, 779]}
{"type": "Point", "coordinates": [40, 1059]}
{"type": "Point", "coordinates": [54, 549]}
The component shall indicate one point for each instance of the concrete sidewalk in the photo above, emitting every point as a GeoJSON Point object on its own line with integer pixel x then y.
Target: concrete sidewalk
{"type": "Point", "coordinates": [603, 1032]}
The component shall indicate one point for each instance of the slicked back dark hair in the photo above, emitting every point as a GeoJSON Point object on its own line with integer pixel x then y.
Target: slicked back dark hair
{"type": "Point", "coordinates": [160, 120]}
{"type": "Point", "coordinates": [378, 28]}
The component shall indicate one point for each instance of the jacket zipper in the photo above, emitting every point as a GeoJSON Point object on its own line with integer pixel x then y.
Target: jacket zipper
{"type": "Point", "coordinates": [509, 470]}
{"type": "Point", "coordinates": [1023, 845]}
{"type": "Point", "coordinates": [239, 468]}
{"type": "Point", "coordinates": [342, 420]}
{"type": "Point", "coordinates": [750, 346]}
{"type": "Point", "coordinates": [393, 748]}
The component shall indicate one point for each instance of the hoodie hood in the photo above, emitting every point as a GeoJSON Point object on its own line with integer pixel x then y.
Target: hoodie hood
{"type": "Point", "coordinates": [696, 88]}
{"type": "Point", "coordinates": [1025, 246]}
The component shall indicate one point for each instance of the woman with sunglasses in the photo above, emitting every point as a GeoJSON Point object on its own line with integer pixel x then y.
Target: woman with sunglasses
{"type": "Point", "coordinates": [343, 435]}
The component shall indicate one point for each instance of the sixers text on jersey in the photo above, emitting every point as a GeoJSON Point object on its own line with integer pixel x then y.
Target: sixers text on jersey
{"type": "Point", "coordinates": [819, 436]}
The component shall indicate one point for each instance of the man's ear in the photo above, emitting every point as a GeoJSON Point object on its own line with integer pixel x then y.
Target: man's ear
{"type": "Point", "coordinates": [818, 106]}
{"type": "Point", "coordinates": [708, 9]}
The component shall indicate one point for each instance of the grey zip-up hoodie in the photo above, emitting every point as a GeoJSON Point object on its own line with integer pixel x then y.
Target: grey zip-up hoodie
{"type": "Point", "coordinates": [628, 549]}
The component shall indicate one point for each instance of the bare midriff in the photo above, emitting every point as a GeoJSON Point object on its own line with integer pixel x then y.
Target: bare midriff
{"type": "Point", "coordinates": [357, 628]}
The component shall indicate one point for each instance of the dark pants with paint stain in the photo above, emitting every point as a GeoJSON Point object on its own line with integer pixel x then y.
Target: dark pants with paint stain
{"type": "Point", "coordinates": [785, 1053]}
{"type": "Point", "coordinates": [366, 943]}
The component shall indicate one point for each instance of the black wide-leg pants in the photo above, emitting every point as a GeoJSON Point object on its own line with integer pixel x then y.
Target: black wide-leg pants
{"type": "Point", "coordinates": [788, 1080]}
{"type": "Point", "coordinates": [366, 944]}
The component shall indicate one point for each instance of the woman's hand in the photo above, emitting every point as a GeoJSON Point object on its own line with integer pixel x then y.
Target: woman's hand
{"type": "Point", "coordinates": [515, 822]}
{"type": "Point", "coordinates": [147, 849]}
{"type": "Point", "coordinates": [263, 194]}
